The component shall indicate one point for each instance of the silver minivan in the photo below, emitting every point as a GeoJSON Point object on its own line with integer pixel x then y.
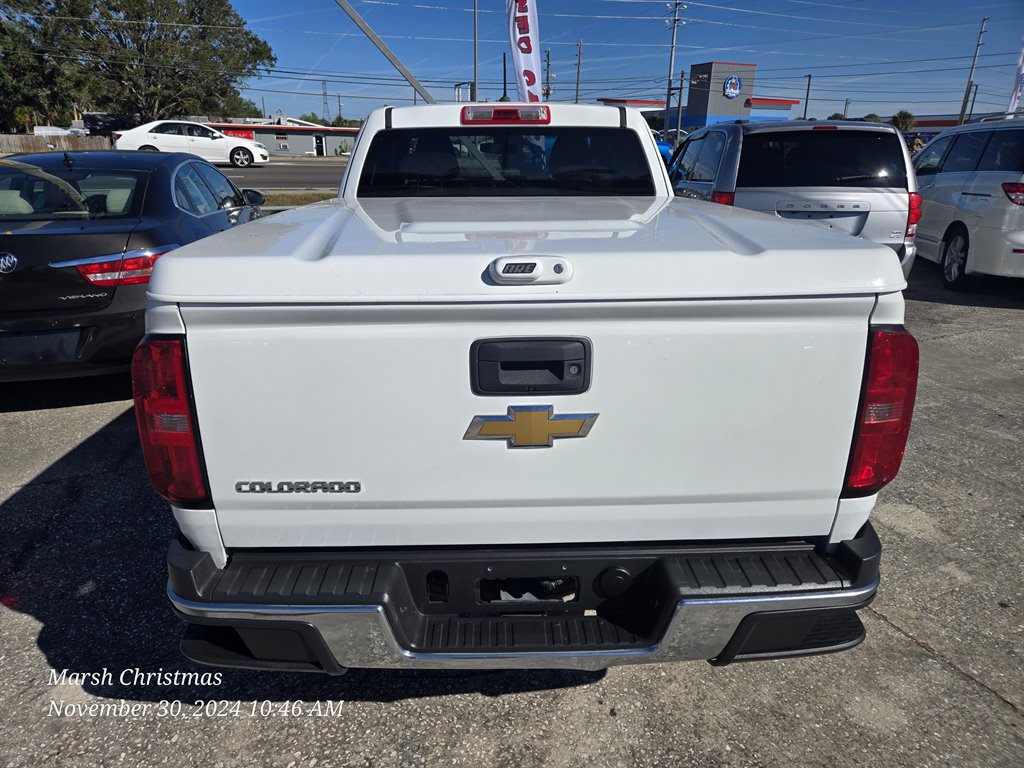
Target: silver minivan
{"type": "Point", "coordinates": [853, 177]}
{"type": "Point", "coordinates": [972, 188]}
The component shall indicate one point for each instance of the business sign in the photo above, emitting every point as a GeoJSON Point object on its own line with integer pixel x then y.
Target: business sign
{"type": "Point", "coordinates": [241, 133]}
{"type": "Point", "coordinates": [525, 39]}
{"type": "Point", "coordinates": [732, 87]}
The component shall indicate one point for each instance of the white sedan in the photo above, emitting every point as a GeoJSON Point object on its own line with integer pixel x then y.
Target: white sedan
{"type": "Point", "coordinates": [199, 139]}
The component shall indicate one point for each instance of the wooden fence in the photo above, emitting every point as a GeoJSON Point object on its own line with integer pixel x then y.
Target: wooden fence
{"type": "Point", "coordinates": [10, 143]}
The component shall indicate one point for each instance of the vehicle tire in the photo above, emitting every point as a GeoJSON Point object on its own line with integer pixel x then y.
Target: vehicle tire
{"type": "Point", "coordinates": [241, 157]}
{"type": "Point", "coordinates": [955, 247]}
{"type": "Point", "coordinates": [148, 148]}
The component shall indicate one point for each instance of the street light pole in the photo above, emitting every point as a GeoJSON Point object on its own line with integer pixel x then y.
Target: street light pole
{"type": "Point", "coordinates": [808, 96]}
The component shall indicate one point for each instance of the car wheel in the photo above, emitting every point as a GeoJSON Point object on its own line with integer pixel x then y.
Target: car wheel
{"type": "Point", "coordinates": [954, 260]}
{"type": "Point", "coordinates": [241, 157]}
{"type": "Point", "coordinates": [148, 148]}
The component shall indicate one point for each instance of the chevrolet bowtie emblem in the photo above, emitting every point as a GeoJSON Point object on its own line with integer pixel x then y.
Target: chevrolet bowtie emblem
{"type": "Point", "coordinates": [530, 426]}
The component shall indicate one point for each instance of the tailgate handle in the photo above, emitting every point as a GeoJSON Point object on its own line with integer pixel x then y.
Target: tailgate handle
{"type": "Point", "coordinates": [530, 366]}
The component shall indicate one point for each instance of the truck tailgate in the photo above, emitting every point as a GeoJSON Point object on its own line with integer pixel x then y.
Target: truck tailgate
{"type": "Point", "coordinates": [714, 419]}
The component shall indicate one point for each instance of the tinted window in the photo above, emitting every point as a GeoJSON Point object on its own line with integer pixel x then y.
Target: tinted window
{"type": "Point", "coordinates": [822, 158]}
{"type": "Point", "coordinates": [181, 198]}
{"type": "Point", "coordinates": [710, 156]}
{"type": "Point", "coordinates": [199, 194]}
{"type": "Point", "coordinates": [199, 132]}
{"type": "Point", "coordinates": [688, 159]}
{"type": "Point", "coordinates": [494, 161]}
{"type": "Point", "coordinates": [218, 182]}
{"type": "Point", "coordinates": [928, 159]}
{"type": "Point", "coordinates": [965, 152]}
{"type": "Point", "coordinates": [173, 129]}
{"type": "Point", "coordinates": [79, 193]}
{"type": "Point", "coordinates": [1005, 152]}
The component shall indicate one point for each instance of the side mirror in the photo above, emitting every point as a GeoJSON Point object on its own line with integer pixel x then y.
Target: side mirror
{"type": "Point", "coordinates": [216, 136]}
{"type": "Point", "coordinates": [252, 197]}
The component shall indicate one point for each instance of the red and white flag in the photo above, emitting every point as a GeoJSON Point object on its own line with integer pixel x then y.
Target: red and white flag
{"type": "Point", "coordinates": [1018, 85]}
{"type": "Point", "coordinates": [525, 39]}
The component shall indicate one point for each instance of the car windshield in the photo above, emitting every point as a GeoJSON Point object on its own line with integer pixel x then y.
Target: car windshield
{"type": "Point", "coordinates": [30, 193]}
{"type": "Point", "coordinates": [822, 158]}
{"type": "Point", "coordinates": [485, 162]}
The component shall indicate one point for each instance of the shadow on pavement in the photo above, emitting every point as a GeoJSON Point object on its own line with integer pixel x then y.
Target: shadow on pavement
{"type": "Point", "coordinates": [925, 284]}
{"type": "Point", "coordinates": [83, 553]}
{"type": "Point", "coordinates": [63, 393]}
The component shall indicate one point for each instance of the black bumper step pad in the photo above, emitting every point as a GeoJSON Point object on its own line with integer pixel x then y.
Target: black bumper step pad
{"type": "Point", "coordinates": [518, 599]}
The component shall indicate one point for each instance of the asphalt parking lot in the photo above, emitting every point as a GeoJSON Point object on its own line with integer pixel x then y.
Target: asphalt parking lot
{"type": "Point", "coordinates": [939, 681]}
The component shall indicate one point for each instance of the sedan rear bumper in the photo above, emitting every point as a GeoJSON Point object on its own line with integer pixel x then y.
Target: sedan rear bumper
{"type": "Point", "coordinates": [466, 610]}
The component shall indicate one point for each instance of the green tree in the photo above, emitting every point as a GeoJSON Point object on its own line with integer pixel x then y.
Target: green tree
{"type": "Point", "coordinates": [156, 58]}
{"type": "Point", "coordinates": [903, 120]}
{"type": "Point", "coordinates": [234, 105]}
{"type": "Point", "coordinates": [871, 117]}
{"type": "Point", "coordinates": [312, 117]}
{"type": "Point", "coordinates": [835, 116]}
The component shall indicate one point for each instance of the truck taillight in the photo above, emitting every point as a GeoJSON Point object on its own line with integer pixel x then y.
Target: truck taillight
{"type": "Point", "coordinates": [723, 198]}
{"type": "Point", "coordinates": [167, 429]}
{"type": "Point", "coordinates": [117, 136]}
{"type": "Point", "coordinates": [913, 214]}
{"type": "Point", "coordinates": [887, 403]}
{"type": "Point", "coordinates": [532, 115]}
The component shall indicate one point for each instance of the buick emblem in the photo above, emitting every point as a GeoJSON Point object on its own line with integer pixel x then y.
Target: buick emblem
{"type": "Point", "coordinates": [8, 261]}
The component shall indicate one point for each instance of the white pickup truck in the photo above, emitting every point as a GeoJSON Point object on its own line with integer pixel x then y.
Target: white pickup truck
{"type": "Point", "coordinates": [507, 402]}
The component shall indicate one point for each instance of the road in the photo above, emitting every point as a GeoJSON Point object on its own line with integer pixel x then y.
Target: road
{"type": "Point", "coordinates": [938, 682]}
{"type": "Point", "coordinates": [320, 174]}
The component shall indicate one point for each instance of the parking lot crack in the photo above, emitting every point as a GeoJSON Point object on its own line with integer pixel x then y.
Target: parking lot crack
{"type": "Point", "coordinates": [939, 657]}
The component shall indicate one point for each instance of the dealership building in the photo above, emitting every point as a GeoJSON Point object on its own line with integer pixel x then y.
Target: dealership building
{"type": "Point", "coordinates": [718, 91]}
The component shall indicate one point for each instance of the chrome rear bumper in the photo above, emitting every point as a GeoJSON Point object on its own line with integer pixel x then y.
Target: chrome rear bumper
{"type": "Point", "coordinates": [361, 636]}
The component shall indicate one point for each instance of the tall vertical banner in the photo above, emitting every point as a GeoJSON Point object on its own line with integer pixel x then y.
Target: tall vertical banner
{"type": "Point", "coordinates": [1018, 84]}
{"type": "Point", "coordinates": [525, 39]}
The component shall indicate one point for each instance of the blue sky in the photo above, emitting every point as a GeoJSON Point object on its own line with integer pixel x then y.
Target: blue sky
{"type": "Point", "coordinates": [884, 55]}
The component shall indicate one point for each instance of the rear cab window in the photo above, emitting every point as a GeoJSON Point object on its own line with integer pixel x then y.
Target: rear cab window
{"type": "Point", "coordinates": [822, 158]}
{"type": "Point", "coordinates": [503, 161]}
{"type": "Point", "coordinates": [31, 193]}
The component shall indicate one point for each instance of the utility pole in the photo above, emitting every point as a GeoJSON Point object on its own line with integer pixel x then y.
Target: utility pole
{"type": "Point", "coordinates": [263, 101]}
{"type": "Point", "coordinates": [679, 109]}
{"type": "Point", "coordinates": [971, 113]}
{"type": "Point", "coordinates": [547, 77]}
{"type": "Point", "coordinates": [339, 106]}
{"type": "Point", "coordinates": [846, 106]}
{"type": "Point", "coordinates": [677, 5]}
{"type": "Point", "coordinates": [807, 97]}
{"type": "Point", "coordinates": [970, 77]}
{"type": "Point", "coordinates": [504, 80]}
{"type": "Point", "coordinates": [327, 106]}
{"type": "Point", "coordinates": [579, 66]}
{"type": "Point", "coordinates": [476, 80]}
{"type": "Point", "coordinates": [365, 28]}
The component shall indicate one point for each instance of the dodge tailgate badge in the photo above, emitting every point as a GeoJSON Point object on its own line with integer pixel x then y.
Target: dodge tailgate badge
{"type": "Point", "coordinates": [530, 426]}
